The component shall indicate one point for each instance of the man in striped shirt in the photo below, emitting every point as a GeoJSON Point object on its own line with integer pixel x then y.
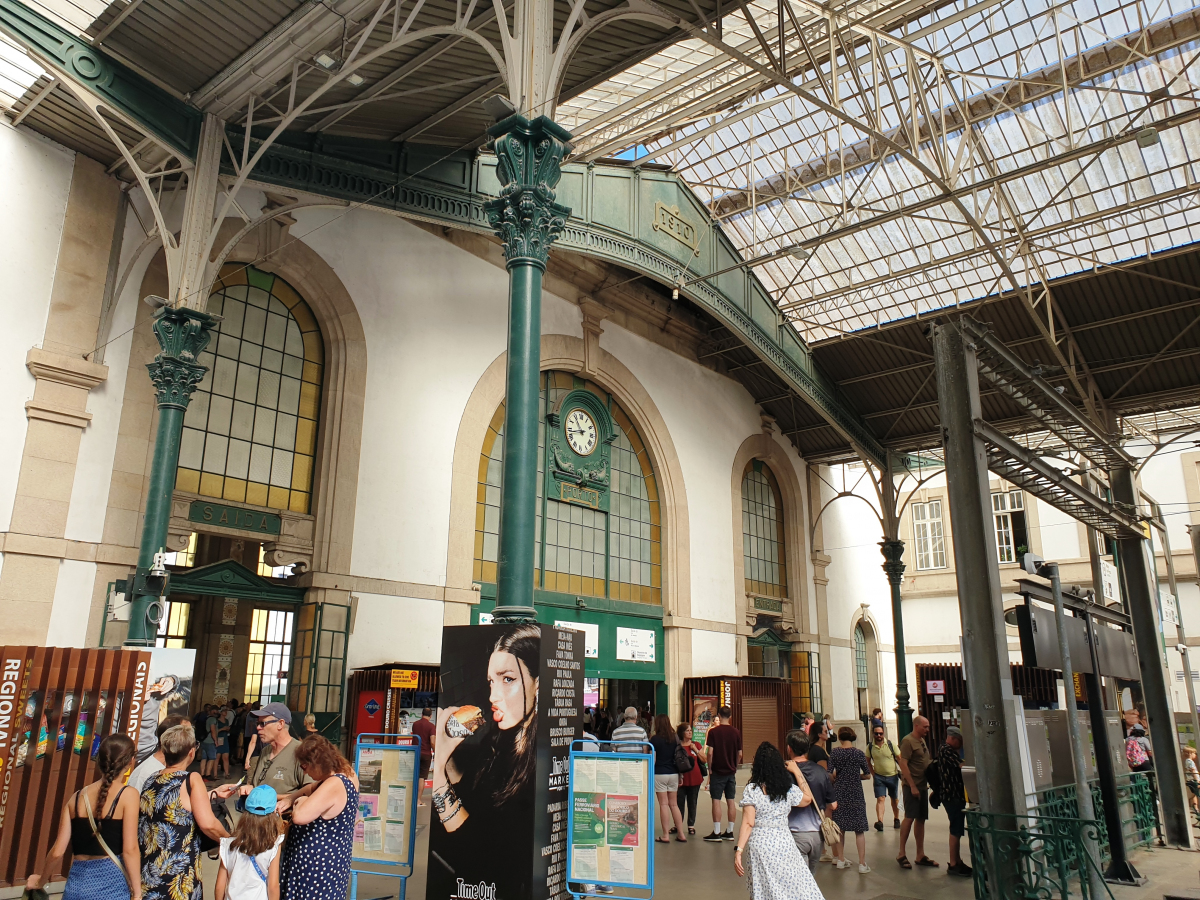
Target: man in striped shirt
{"type": "Point", "coordinates": [629, 730]}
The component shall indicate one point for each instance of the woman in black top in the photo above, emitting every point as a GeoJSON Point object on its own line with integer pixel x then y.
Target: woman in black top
{"type": "Point", "coordinates": [94, 874]}
{"type": "Point", "coordinates": [666, 779]}
{"type": "Point", "coordinates": [817, 734]}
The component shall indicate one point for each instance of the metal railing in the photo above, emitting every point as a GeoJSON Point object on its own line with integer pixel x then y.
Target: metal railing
{"type": "Point", "coordinates": [1031, 857]}
{"type": "Point", "coordinates": [1139, 811]}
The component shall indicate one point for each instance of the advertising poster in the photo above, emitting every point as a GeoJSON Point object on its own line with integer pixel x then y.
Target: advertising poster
{"type": "Point", "coordinates": [589, 821]}
{"type": "Point", "coordinates": [509, 707]}
{"type": "Point", "coordinates": [622, 820]}
{"type": "Point", "coordinates": [704, 710]}
{"type": "Point", "coordinates": [168, 692]}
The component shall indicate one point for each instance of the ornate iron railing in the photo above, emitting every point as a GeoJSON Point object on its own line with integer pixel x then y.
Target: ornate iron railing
{"type": "Point", "coordinates": [1035, 857]}
{"type": "Point", "coordinates": [1139, 812]}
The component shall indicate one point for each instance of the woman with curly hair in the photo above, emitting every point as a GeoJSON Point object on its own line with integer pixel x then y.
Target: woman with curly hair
{"type": "Point", "coordinates": [765, 849]}
{"type": "Point", "coordinates": [99, 826]}
{"type": "Point", "coordinates": [316, 855]}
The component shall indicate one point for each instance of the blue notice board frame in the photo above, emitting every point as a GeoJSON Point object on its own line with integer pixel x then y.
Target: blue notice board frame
{"type": "Point", "coordinates": [393, 743]}
{"type": "Point", "coordinates": [580, 750]}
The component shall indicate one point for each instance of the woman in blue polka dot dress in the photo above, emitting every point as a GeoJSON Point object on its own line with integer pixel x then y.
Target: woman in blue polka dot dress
{"type": "Point", "coordinates": [316, 855]}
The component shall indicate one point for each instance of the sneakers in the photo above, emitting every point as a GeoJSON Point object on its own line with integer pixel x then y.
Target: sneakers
{"type": "Point", "coordinates": [841, 863]}
{"type": "Point", "coordinates": [728, 836]}
{"type": "Point", "coordinates": [863, 869]}
{"type": "Point", "coordinates": [960, 868]}
{"type": "Point", "coordinates": [879, 826]}
{"type": "Point", "coordinates": [895, 823]}
{"type": "Point", "coordinates": [714, 838]}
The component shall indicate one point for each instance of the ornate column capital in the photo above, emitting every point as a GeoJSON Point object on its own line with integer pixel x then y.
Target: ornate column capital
{"type": "Point", "coordinates": [182, 334]}
{"type": "Point", "coordinates": [525, 215]}
{"type": "Point", "coordinates": [893, 552]}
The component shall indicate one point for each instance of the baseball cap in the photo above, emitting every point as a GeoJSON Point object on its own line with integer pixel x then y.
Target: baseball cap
{"type": "Point", "coordinates": [261, 801]}
{"type": "Point", "coordinates": [278, 710]}
{"type": "Point", "coordinates": [954, 730]}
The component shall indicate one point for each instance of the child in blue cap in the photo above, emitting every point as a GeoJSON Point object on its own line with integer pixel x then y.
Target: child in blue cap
{"type": "Point", "coordinates": [250, 859]}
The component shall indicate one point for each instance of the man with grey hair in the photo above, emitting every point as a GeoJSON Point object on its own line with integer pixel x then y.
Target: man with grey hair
{"type": "Point", "coordinates": [953, 796]}
{"type": "Point", "coordinates": [629, 730]}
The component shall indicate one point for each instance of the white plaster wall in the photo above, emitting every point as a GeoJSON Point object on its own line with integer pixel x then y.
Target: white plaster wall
{"type": "Point", "coordinates": [435, 318]}
{"type": "Point", "coordinates": [376, 639]}
{"type": "Point", "coordinates": [1058, 532]}
{"type": "Point", "coordinates": [35, 179]}
{"type": "Point", "coordinates": [714, 653]}
{"type": "Point", "coordinates": [1163, 478]}
{"type": "Point", "coordinates": [72, 603]}
{"type": "Point", "coordinates": [708, 416]}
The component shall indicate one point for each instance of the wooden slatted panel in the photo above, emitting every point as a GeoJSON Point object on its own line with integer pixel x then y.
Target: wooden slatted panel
{"type": "Point", "coordinates": [759, 723]}
{"type": "Point", "coordinates": [54, 726]}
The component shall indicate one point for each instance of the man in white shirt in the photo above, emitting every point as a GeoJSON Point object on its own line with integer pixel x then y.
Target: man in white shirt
{"type": "Point", "coordinates": [155, 762]}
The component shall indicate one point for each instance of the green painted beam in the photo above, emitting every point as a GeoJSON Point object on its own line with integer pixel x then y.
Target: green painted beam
{"type": "Point", "coordinates": [71, 58]}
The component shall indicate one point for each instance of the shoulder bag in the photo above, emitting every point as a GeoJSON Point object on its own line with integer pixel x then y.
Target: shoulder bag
{"type": "Point", "coordinates": [831, 832]}
{"type": "Point", "coordinates": [683, 760]}
{"type": "Point", "coordinates": [87, 804]}
{"type": "Point", "coordinates": [220, 813]}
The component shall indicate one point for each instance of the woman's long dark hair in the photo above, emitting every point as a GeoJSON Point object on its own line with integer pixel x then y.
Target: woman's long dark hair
{"type": "Point", "coordinates": [663, 728]}
{"type": "Point", "coordinates": [512, 754]}
{"type": "Point", "coordinates": [769, 772]}
{"type": "Point", "coordinates": [112, 759]}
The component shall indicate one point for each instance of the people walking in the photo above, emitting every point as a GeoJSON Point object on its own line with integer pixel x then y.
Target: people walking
{"type": "Point", "coordinates": [953, 797]}
{"type": "Point", "coordinates": [175, 809]}
{"type": "Point", "coordinates": [765, 852]}
{"type": "Point", "coordinates": [99, 826]}
{"type": "Point", "coordinates": [250, 858]}
{"type": "Point", "coordinates": [724, 750]}
{"type": "Point", "coordinates": [885, 773]}
{"type": "Point", "coordinates": [804, 821]}
{"type": "Point", "coordinates": [848, 768]}
{"type": "Point", "coordinates": [316, 855]}
{"type": "Point", "coordinates": [691, 780]}
{"type": "Point", "coordinates": [629, 730]}
{"type": "Point", "coordinates": [666, 778]}
{"type": "Point", "coordinates": [914, 760]}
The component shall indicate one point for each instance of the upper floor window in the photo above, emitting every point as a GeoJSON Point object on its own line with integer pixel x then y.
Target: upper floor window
{"type": "Point", "coordinates": [579, 550]}
{"type": "Point", "coordinates": [1008, 516]}
{"type": "Point", "coordinates": [928, 535]}
{"type": "Point", "coordinates": [250, 432]}
{"type": "Point", "coordinates": [762, 532]}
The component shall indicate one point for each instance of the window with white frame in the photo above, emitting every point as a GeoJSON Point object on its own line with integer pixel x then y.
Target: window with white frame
{"type": "Point", "coordinates": [1008, 517]}
{"type": "Point", "coordinates": [928, 535]}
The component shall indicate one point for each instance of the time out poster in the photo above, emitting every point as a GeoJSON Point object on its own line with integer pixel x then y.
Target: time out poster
{"type": "Point", "coordinates": [510, 705]}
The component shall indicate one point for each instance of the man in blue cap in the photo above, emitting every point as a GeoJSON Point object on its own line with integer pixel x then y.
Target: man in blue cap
{"type": "Point", "coordinates": [276, 765]}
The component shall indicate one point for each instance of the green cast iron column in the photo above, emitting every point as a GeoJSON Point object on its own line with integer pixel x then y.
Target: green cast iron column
{"type": "Point", "coordinates": [893, 552]}
{"type": "Point", "coordinates": [527, 220]}
{"type": "Point", "coordinates": [182, 334]}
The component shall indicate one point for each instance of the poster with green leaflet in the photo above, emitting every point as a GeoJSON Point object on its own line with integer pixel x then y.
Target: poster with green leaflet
{"type": "Point", "coordinates": [589, 821]}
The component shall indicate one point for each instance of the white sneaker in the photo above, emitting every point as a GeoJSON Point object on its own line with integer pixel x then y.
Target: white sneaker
{"type": "Point", "coordinates": [863, 869]}
{"type": "Point", "coordinates": [842, 863]}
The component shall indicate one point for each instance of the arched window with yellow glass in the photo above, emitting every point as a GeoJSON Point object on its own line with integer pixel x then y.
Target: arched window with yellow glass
{"type": "Point", "coordinates": [585, 546]}
{"type": "Point", "coordinates": [762, 532]}
{"type": "Point", "coordinates": [250, 432]}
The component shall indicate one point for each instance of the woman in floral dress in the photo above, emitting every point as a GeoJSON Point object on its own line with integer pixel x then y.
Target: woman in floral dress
{"type": "Point", "coordinates": [765, 849]}
{"type": "Point", "coordinates": [848, 766]}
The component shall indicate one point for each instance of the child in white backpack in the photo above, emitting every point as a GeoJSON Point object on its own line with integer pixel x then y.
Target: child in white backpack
{"type": "Point", "coordinates": [250, 859]}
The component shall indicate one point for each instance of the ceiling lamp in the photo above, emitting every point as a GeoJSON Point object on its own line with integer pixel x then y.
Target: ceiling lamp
{"type": "Point", "coordinates": [325, 61]}
{"type": "Point", "coordinates": [355, 79]}
{"type": "Point", "coordinates": [1147, 137]}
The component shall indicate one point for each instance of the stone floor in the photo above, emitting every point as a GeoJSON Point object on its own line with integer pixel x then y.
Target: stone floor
{"type": "Point", "coordinates": [703, 871]}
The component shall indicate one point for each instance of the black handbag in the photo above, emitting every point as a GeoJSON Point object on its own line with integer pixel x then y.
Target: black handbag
{"type": "Point", "coordinates": [683, 760]}
{"type": "Point", "coordinates": [221, 814]}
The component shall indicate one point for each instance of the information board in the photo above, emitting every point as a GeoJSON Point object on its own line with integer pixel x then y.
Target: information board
{"type": "Point", "coordinates": [610, 827]}
{"type": "Point", "coordinates": [384, 829]}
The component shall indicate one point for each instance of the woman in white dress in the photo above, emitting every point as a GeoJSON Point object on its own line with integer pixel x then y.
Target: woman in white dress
{"type": "Point", "coordinates": [765, 848]}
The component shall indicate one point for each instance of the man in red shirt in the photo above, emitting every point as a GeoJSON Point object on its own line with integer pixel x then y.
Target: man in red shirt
{"type": "Point", "coordinates": [724, 756]}
{"type": "Point", "coordinates": [425, 730]}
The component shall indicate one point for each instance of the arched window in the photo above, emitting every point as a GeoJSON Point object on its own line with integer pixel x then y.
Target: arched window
{"type": "Point", "coordinates": [762, 532]}
{"type": "Point", "coordinates": [250, 433]}
{"type": "Point", "coordinates": [860, 657]}
{"type": "Point", "coordinates": [581, 551]}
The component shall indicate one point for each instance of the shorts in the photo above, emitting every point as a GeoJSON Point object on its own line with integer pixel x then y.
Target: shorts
{"type": "Point", "coordinates": [208, 751]}
{"type": "Point", "coordinates": [810, 845]}
{"type": "Point", "coordinates": [887, 786]}
{"type": "Point", "coordinates": [958, 819]}
{"type": "Point", "coordinates": [223, 747]}
{"type": "Point", "coordinates": [425, 763]}
{"type": "Point", "coordinates": [666, 784]}
{"type": "Point", "coordinates": [722, 786]}
{"type": "Point", "coordinates": [916, 806]}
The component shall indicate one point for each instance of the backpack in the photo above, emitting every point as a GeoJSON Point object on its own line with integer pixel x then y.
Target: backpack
{"type": "Point", "coordinates": [683, 760]}
{"type": "Point", "coordinates": [933, 777]}
{"type": "Point", "coordinates": [1135, 753]}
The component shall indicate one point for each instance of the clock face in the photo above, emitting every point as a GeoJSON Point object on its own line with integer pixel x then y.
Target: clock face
{"type": "Point", "coordinates": [581, 432]}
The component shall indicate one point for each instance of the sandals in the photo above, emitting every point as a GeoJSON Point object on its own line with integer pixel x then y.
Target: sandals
{"type": "Point", "coordinates": [691, 831]}
{"type": "Point", "coordinates": [672, 831]}
{"type": "Point", "coordinates": [681, 840]}
{"type": "Point", "coordinates": [927, 863]}
{"type": "Point", "coordinates": [662, 840]}
{"type": "Point", "coordinates": [904, 863]}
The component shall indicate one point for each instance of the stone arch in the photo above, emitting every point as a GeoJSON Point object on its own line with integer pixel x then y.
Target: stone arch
{"type": "Point", "coordinates": [863, 619]}
{"type": "Point", "coordinates": [764, 447]}
{"type": "Point", "coordinates": [566, 353]}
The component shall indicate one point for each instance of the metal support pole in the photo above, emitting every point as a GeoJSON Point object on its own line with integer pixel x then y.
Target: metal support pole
{"type": "Point", "coordinates": [1142, 594]}
{"type": "Point", "coordinates": [1083, 791]}
{"type": "Point", "coordinates": [527, 220]}
{"type": "Point", "coordinates": [182, 334]}
{"type": "Point", "coordinates": [893, 552]}
{"type": "Point", "coordinates": [977, 573]}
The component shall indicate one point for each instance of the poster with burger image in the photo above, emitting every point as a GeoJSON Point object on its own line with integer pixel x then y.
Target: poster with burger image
{"type": "Point", "coordinates": [504, 726]}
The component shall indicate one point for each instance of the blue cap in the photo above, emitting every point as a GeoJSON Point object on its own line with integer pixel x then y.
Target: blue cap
{"type": "Point", "coordinates": [261, 801]}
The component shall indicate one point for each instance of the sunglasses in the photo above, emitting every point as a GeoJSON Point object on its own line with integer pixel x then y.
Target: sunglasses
{"type": "Point", "coordinates": [264, 722]}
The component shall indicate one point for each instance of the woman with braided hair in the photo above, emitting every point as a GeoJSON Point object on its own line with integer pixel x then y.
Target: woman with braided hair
{"type": "Point", "coordinates": [99, 824]}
